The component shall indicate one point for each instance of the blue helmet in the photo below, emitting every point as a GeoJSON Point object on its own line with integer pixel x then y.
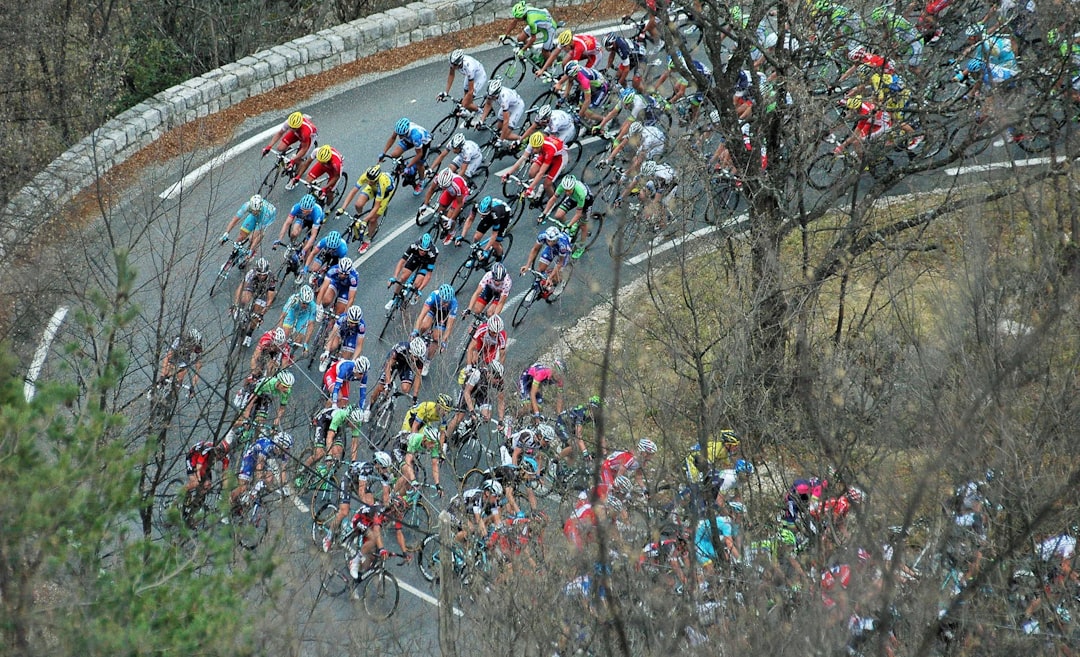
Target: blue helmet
{"type": "Point", "coordinates": [333, 238]}
{"type": "Point", "coordinates": [626, 96]}
{"type": "Point", "coordinates": [308, 202]}
{"type": "Point", "coordinates": [742, 466]}
{"type": "Point", "coordinates": [402, 126]}
{"type": "Point", "coordinates": [446, 292]}
{"type": "Point", "coordinates": [425, 241]}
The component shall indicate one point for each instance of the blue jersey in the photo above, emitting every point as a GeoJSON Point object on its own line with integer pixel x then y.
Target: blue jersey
{"type": "Point", "coordinates": [561, 247]}
{"type": "Point", "coordinates": [346, 371]}
{"type": "Point", "coordinates": [263, 447]}
{"type": "Point", "coordinates": [340, 252]}
{"type": "Point", "coordinates": [347, 330]}
{"type": "Point", "coordinates": [297, 313]}
{"type": "Point", "coordinates": [416, 137]}
{"type": "Point", "coordinates": [257, 220]}
{"type": "Point", "coordinates": [343, 282]}
{"type": "Point", "coordinates": [441, 310]}
{"type": "Point", "coordinates": [315, 217]}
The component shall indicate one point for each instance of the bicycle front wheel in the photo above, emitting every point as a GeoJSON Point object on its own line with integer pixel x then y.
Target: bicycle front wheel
{"type": "Point", "coordinates": [523, 307]}
{"type": "Point", "coordinates": [826, 170]}
{"type": "Point", "coordinates": [270, 180]}
{"type": "Point", "coordinates": [335, 583]}
{"type": "Point", "coordinates": [381, 595]}
{"type": "Point", "coordinates": [429, 559]}
{"type": "Point", "coordinates": [596, 225]}
{"type": "Point", "coordinates": [251, 528]}
{"type": "Point", "coordinates": [223, 274]}
{"type": "Point", "coordinates": [415, 525]}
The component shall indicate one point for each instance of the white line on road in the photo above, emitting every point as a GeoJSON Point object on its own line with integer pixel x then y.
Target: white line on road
{"type": "Point", "coordinates": [425, 597]}
{"type": "Point", "coordinates": [980, 168]}
{"type": "Point", "coordinates": [43, 351]}
{"type": "Point", "coordinates": [671, 244]}
{"type": "Point", "coordinates": [176, 188]}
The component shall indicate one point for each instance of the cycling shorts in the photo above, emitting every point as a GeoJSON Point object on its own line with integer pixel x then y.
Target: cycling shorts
{"type": "Point", "coordinates": [422, 150]}
{"type": "Point", "coordinates": [556, 168]}
{"type": "Point", "coordinates": [471, 169]}
{"type": "Point", "coordinates": [400, 370]}
{"type": "Point", "coordinates": [342, 290]}
{"type": "Point", "coordinates": [323, 428]}
{"type": "Point", "coordinates": [252, 223]}
{"type": "Point", "coordinates": [247, 465]}
{"type": "Point", "coordinates": [491, 222]}
{"type": "Point", "coordinates": [435, 325]}
{"type": "Point", "coordinates": [199, 465]}
{"type": "Point", "coordinates": [448, 200]}
{"type": "Point", "coordinates": [488, 294]}
{"type": "Point", "coordinates": [567, 204]}
{"type": "Point", "coordinates": [320, 168]}
{"type": "Point", "coordinates": [418, 265]}
{"type": "Point", "coordinates": [348, 342]}
{"type": "Point", "coordinates": [516, 114]}
{"type": "Point", "coordinates": [381, 203]}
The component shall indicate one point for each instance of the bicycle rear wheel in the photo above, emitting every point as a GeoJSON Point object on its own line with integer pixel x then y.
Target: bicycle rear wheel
{"type": "Point", "coordinates": [270, 179]}
{"type": "Point", "coordinates": [511, 70]}
{"type": "Point", "coordinates": [596, 226]}
{"type": "Point", "coordinates": [826, 170]}
{"type": "Point", "coordinates": [443, 131]}
{"type": "Point", "coordinates": [415, 524]}
{"type": "Point", "coordinates": [468, 454]}
{"type": "Point", "coordinates": [381, 595]}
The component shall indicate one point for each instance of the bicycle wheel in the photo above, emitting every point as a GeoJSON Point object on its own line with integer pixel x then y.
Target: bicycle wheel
{"type": "Point", "coordinates": [517, 208]}
{"type": "Point", "coordinates": [424, 215]}
{"type": "Point", "coordinates": [826, 170]}
{"type": "Point", "coordinates": [474, 478]}
{"type": "Point", "coordinates": [507, 243]}
{"type": "Point", "coordinates": [318, 526]}
{"type": "Point", "coordinates": [596, 226]}
{"type": "Point", "coordinates": [251, 528]}
{"type": "Point", "coordinates": [429, 559]}
{"type": "Point", "coordinates": [540, 473]}
{"type": "Point", "coordinates": [596, 170]}
{"type": "Point", "coordinates": [380, 595]}
{"type": "Point", "coordinates": [477, 182]}
{"type": "Point", "coordinates": [337, 194]}
{"type": "Point", "coordinates": [166, 503]}
{"type": "Point", "coordinates": [335, 583]}
{"type": "Point", "coordinates": [511, 70]}
{"type": "Point", "coordinates": [325, 493]}
{"type": "Point", "coordinates": [443, 131]}
{"type": "Point", "coordinates": [523, 307]}
{"type": "Point", "coordinates": [319, 338]}
{"type": "Point", "coordinates": [461, 276]}
{"type": "Point", "coordinates": [1037, 134]}
{"type": "Point", "coordinates": [270, 179]}
{"type": "Point", "coordinates": [548, 97]}
{"type": "Point", "coordinates": [397, 301]}
{"type": "Point", "coordinates": [468, 454]}
{"type": "Point", "coordinates": [415, 525]}
{"type": "Point", "coordinates": [223, 273]}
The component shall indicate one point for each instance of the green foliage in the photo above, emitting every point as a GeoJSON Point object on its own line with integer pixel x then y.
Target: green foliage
{"type": "Point", "coordinates": [155, 64]}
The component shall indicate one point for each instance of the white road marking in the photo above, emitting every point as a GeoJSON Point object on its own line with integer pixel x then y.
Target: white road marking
{"type": "Point", "coordinates": [177, 188]}
{"type": "Point", "coordinates": [671, 244]}
{"type": "Point", "coordinates": [43, 351]}
{"type": "Point", "coordinates": [980, 168]}
{"type": "Point", "coordinates": [425, 597]}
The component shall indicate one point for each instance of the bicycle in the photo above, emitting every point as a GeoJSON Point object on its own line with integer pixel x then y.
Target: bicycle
{"type": "Point", "coordinates": [411, 512]}
{"type": "Point", "coordinates": [196, 507]}
{"type": "Point", "coordinates": [376, 587]}
{"type": "Point", "coordinates": [320, 336]}
{"type": "Point", "coordinates": [512, 69]}
{"type": "Point", "coordinates": [467, 449]}
{"type": "Point", "coordinates": [539, 290]}
{"type": "Point", "coordinates": [449, 124]}
{"type": "Point", "coordinates": [382, 419]}
{"type": "Point", "coordinates": [291, 262]}
{"type": "Point", "coordinates": [442, 225]}
{"type": "Point", "coordinates": [514, 189]}
{"type": "Point", "coordinates": [329, 202]}
{"type": "Point", "coordinates": [596, 225]}
{"type": "Point", "coordinates": [468, 561]}
{"type": "Point", "coordinates": [249, 517]}
{"type": "Point", "coordinates": [320, 480]}
{"type": "Point", "coordinates": [480, 258]}
{"type": "Point", "coordinates": [405, 295]}
{"type": "Point", "coordinates": [281, 169]}
{"type": "Point", "coordinates": [238, 257]}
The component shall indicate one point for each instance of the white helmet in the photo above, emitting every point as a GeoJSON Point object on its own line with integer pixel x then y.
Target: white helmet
{"type": "Point", "coordinates": [648, 168]}
{"type": "Point", "coordinates": [551, 234]}
{"type": "Point", "coordinates": [345, 264]}
{"type": "Point", "coordinates": [307, 295]}
{"type": "Point", "coordinates": [383, 459]}
{"type": "Point", "coordinates": [446, 176]}
{"type": "Point", "coordinates": [356, 415]}
{"type": "Point", "coordinates": [646, 446]}
{"type": "Point", "coordinates": [456, 57]}
{"type": "Point", "coordinates": [457, 141]}
{"type": "Point", "coordinates": [283, 440]}
{"type": "Point", "coordinates": [362, 364]}
{"type": "Point", "coordinates": [636, 127]}
{"type": "Point", "coordinates": [354, 314]}
{"type": "Point", "coordinates": [278, 336]}
{"type": "Point", "coordinates": [547, 432]}
{"type": "Point", "coordinates": [494, 324]}
{"type": "Point", "coordinates": [255, 203]}
{"type": "Point", "coordinates": [497, 368]}
{"type": "Point", "coordinates": [493, 487]}
{"type": "Point", "coordinates": [286, 379]}
{"type": "Point", "coordinates": [417, 347]}
{"type": "Point", "coordinates": [494, 87]}
{"type": "Point", "coordinates": [543, 113]}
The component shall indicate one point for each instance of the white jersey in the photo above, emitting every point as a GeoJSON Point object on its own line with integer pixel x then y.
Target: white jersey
{"type": "Point", "coordinates": [469, 159]}
{"type": "Point", "coordinates": [474, 72]}
{"type": "Point", "coordinates": [652, 141]}
{"type": "Point", "coordinates": [510, 101]}
{"type": "Point", "coordinates": [561, 124]}
{"type": "Point", "coordinates": [503, 288]}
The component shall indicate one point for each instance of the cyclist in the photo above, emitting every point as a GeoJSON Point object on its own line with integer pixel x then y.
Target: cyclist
{"type": "Point", "coordinates": [297, 128]}
{"type": "Point", "coordinates": [630, 56]}
{"type": "Point", "coordinates": [436, 320]}
{"type": "Point", "coordinates": [709, 534]}
{"type": "Point", "coordinates": [298, 316]}
{"type": "Point", "coordinates": [488, 343]}
{"type": "Point", "coordinates": [492, 292]}
{"type": "Point", "coordinates": [479, 507]}
{"type": "Point", "coordinates": [531, 384]}
{"type": "Point", "coordinates": [581, 48]}
{"type": "Point", "coordinates": [625, 463]}
{"type": "Point", "coordinates": [419, 257]}
{"type": "Point", "coordinates": [575, 419]}
{"type": "Point", "coordinates": [264, 452]}
{"type": "Point", "coordinates": [404, 360]}
{"type": "Point", "coordinates": [200, 465]}
{"type": "Point", "coordinates": [530, 440]}
{"type": "Point", "coordinates": [347, 335]}
{"type": "Point", "coordinates": [185, 353]}
{"type": "Point", "coordinates": [408, 135]}
{"type": "Point", "coordinates": [409, 449]}
{"type": "Point", "coordinates": [594, 89]}
{"type": "Point", "coordinates": [557, 122]}
{"type": "Point", "coordinates": [338, 289]}
{"type": "Point", "coordinates": [511, 109]}
{"type": "Point", "coordinates": [466, 162]}
{"type": "Point", "coordinates": [640, 107]}
{"type": "Point", "coordinates": [331, 432]}
{"type": "Point", "coordinates": [494, 215]}
{"type": "Point", "coordinates": [649, 141]}
{"type": "Point", "coordinates": [270, 355]}
{"type": "Point", "coordinates": [428, 414]}
{"type": "Point", "coordinates": [336, 383]}
{"type": "Point", "coordinates": [452, 198]}
{"type": "Point", "coordinates": [655, 184]}
{"type": "Point", "coordinates": [374, 184]}
{"type": "Point", "coordinates": [306, 214]}
{"type": "Point", "coordinates": [548, 153]}
{"type": "Point", "coordinates": [906, 38]}
{"type": "Point", "coordinates": [367, 525]}
{"type": "Point", "coordinates": [550, 254]}
{"type": "Point", "coordinates": [358, 479]}
{"type": "Point", "coordinates": [475, 78]}
{"type": "Point", "coordinates": [265, 392]}
{"type": "Point", "coordinates": [871, 122]}
{"type": "Point", "coordinates": [993, 60]}
{"type": "Point", "coordinates": [253, 216]}
{"type": "Point", "coordinates": [681, 86]}
{"type": "Point", "coordinates": [539, 26]}
{"type": "Point", "coordinates": [328, 161]}
{"type": "Point", "coordinates": [480, 386]}
{"type": "Point", "coordinates": [326, 253]}
{"type": "Point", "coordinates": [572, 193]}
{"type": "Point", "coordinates": [704, 465]}
{"type": "Point", "coordinates": [257, 289]}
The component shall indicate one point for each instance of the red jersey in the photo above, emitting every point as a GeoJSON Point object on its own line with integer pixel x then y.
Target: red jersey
{"type": "Point", "coordinates": [266, 345]}
{"type": "Point", "coordinates": [305, 134]}
{"type": "Point", "coordinates": [455, 194]}
{"type": "Point", "coordinates": [551, 149]}
{"type": "Point", "coordinates": [331, 168]}
{"type": "Point", "coordinates": [582, 46]}
{"type": "Point", "coordinates": [486, 344]}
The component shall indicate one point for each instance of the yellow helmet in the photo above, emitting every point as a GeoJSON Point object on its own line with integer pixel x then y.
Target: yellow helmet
{"type": "Point", "coordinates": [536, 140]}
{"type": "Point", "coordinates": [324, 153]}
{"type": "Point", "coordinates": [296, 119]}
{"type": "Point", "coordinates": [854, 103]}
{"type": "Point", "coordinates": [565, 37]}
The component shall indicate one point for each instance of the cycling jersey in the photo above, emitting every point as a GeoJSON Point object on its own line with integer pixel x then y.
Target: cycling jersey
{"type": "Point", "coordinates": [704, 548]}
{"type": "Point", "coordinates": [297, 313]}
{"type": "Point", "coordinates": [440, 311]}
{"type": "Point", "coordinates": [525, 440]}
{"type": "Point", "coordinates": [499, 289]}
{"type": "Point", "coordinates": [402, 363]}
{"type": "Point", "coordinates": [365, 518]}
{"type": "Point", "coordinates": [578, 197]}
{"type": "Point", "coordinates": [256, 221]}
{"type": "Point", "coordinates": [561, 124]}
{"type": "Point", "coordinates": [420, 261]}
{"type": "Point", "coordinates": [381, 189]}
{"type": "Point", "coordinates": [259, 286]}
{"type": "Point", "coordinates": [415, 137]}
{"type": "Point", "coordinates": [595, 82]}
{"type": "Point", "coordinates": [313, 217]}
{"type": "Point", "coordinates": [305, 134]}
{"type": "Point", "coordinates": [326, 254]}
{"type": "Point", "coordinates": [337, 378]}
{"type": "Point", "coordinates": [627, 52]}
{"type": "Point", "coordinates": [350, 333]}
{"type": "Point", "coordinates": [540, 23]}
{"type": "Point", "coordinates": [469, 160]}
{"type": "Point", "coordinates": [267, 348]}
{"type": "Point", "coordinates": [561, 249]}
{"type": "Point", "coordinates": [200, 461]}
{"type": "Point", "coordinates": [343, 281]}
{"type": "Point", "coordinates": [331, 168]}
{"type": "Point", "coordinates": [551, 152]}
{"type": "Point", "coordinates": [536, 376]}
{"type": "Point", "coordinates": [454, 195]}
{"type": "Point", "coordinates": [426, 413]}
{"type": "Point", "coordinates": [486, 344]}
{"type": "Point", "coordinates": [185, 352]}
{"type": "Point", "coordinates": [653, 141]}
{"type": "Point", "coordinates": [662, 180]}
{"type": "Point", "coordinates": [365, 472]}
{"type": "Point", "coordinates": [618, 462]}
{"type": "Point", "coordinates": [330, 419]}
{"type": "Point", "coordinates": [584, 47]}
{"type": "Point", "coordinates": [262, 448]}
{"type": "Point", "coordinates": [472, 501]}
{"type": "Point", "coordinates": [415, 445]}
{"type": "Point", "coordinates": [645, 109]}
{"type": "Point", "coordinates": [496, 218]}
{"type": "Point", "coordinates": [474, 72]}
{"type": "Point", "coordinates": [510, 101]}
